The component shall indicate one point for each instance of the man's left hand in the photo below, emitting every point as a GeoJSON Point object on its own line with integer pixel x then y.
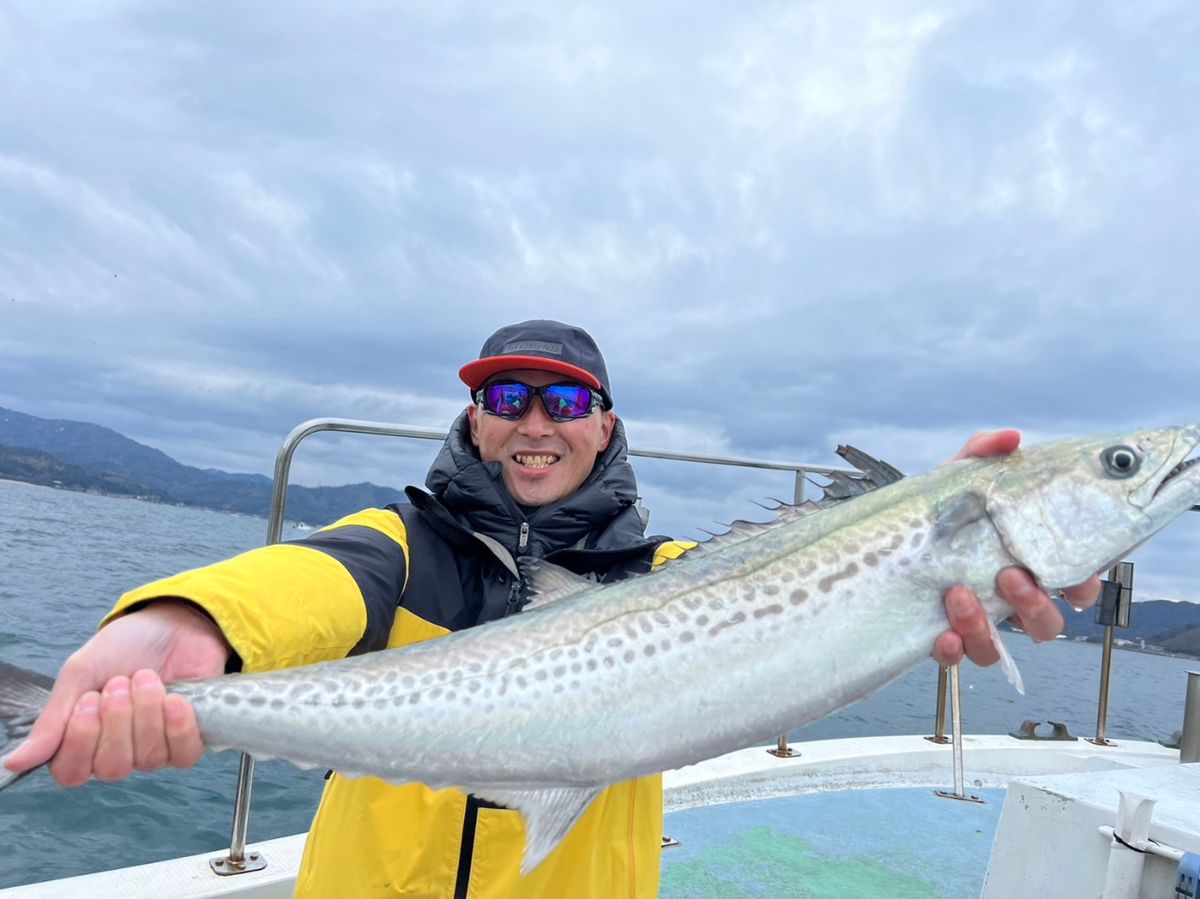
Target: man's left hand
{"type": "Point", "coordinates": [1035, 613]}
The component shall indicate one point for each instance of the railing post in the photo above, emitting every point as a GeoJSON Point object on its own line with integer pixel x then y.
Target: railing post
{"type": "Point", "coordinates": [956, 723]}
{"type": "Point", "coordinates": [939, 721]}
{"type": "Point", "coordinates": [1189, 740]}
{"type": "Point", "coordinates": [1113, 611]}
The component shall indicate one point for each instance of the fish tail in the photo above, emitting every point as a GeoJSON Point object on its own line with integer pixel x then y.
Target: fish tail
{"type": "Point", "coordinates": [22, 695]}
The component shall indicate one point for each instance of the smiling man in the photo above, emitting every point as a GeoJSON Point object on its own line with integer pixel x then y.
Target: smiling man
{"type": "Point", "coordinates": [534, 466]}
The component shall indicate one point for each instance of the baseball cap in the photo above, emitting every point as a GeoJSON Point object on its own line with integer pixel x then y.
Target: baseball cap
{"type": "Point", "coordinates": [541, 345]}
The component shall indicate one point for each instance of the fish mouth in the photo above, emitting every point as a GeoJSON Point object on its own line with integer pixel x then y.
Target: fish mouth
{"type": "Point", "coordinates": [1190, 461]}
{"type": "Point", "coordinates": [1175, 472]}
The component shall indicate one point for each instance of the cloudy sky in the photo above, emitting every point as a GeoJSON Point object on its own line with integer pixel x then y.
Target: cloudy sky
{"type": "Point", "coordinates": [788, 224]}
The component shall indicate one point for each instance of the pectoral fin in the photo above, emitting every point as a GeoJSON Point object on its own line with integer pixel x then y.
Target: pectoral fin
{"type": "Point", "coordinates": [548, 815]}
{"type": "Point", "coordinates": [1007, 663]}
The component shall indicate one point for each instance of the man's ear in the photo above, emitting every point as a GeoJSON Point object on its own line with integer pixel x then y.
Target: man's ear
{"type": "Point", "coordinates": [473, 418]}
{"type": "Point", "coordinates": [608, 424]}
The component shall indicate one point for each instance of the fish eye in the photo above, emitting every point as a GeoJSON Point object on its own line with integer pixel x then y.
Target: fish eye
{"type": "Point", "coordinates": [1120, 461]}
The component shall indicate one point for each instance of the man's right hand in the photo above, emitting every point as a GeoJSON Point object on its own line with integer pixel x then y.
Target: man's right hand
{"type": "Point", "coordinates": [102, 722]}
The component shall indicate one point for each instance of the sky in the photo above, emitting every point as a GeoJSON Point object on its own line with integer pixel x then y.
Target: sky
{"type": "Point", "coordinates": [789, 225]}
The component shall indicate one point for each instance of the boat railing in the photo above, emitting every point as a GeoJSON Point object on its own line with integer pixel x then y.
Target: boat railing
{"type": "Point", "coordinates": [237, 861]}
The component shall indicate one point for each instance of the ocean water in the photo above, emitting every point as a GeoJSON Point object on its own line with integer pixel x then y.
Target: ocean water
{"type": "Point", "coordinates": [65, 557]}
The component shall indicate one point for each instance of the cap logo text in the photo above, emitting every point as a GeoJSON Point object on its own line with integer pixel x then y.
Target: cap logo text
{"type": "Point", "coordinates": [532, 346]}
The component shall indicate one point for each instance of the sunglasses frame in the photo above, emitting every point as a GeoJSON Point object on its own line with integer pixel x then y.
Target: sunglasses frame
{"type": "Point", "coordinates": [540, 393]}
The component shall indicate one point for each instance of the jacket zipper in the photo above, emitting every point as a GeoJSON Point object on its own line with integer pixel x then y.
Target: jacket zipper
{"type": "Point", "coordinates": [514, 586]}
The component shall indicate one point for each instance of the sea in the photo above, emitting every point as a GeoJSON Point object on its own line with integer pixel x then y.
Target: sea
{"type": "Point", "coordinates": [65, 557]}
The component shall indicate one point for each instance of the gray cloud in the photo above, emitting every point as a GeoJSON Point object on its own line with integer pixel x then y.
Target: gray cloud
{"type": "Point", "coordinates": [788, 226]}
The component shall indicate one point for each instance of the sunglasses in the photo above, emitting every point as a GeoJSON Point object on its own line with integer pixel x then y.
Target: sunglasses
{"type": "Point", "coordinates": [563, 402]}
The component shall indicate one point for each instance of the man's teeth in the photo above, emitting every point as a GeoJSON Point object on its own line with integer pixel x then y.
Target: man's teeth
{"type": "Point", "coordinates": [536, 461]}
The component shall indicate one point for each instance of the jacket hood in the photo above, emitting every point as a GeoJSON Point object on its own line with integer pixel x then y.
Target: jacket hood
{"type": "Point", "coordinates": [601, 514]}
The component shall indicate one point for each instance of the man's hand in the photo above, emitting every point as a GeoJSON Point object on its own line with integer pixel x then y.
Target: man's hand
{"type": "Point", "coordinates": [108, 712]}
{"type": "Point", "coordinates": [1035, 613]}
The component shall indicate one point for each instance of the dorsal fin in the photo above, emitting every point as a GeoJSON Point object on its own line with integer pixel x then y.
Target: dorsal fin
{"type": "Point", "coordinates": [880, 472]}
{"type": "Point", "coordinates": [546, 582]}
{"type": "Point", "coordinates": [872, 473]}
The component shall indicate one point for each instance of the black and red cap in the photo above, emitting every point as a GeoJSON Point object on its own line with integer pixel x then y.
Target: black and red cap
{"type": "Point", "coordinates": [541, 345]}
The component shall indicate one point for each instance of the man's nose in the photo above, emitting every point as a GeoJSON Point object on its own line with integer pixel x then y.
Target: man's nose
{"type": "Point", "coordinates": [536, 422]}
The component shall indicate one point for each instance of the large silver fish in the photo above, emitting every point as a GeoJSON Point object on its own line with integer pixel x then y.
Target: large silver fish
{"type": "Point", "coordinates": [746, 637]}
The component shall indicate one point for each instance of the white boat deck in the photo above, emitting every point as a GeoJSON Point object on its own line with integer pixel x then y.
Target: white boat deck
{"type": "Point", "coordinates": [823, 766]}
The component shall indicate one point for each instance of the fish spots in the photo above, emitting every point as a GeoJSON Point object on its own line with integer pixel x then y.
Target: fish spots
{"type": "Point", "coordinates": [787, 577]}
{"type": "Point", "coordinates": [645, 625]}
{"type": "Point", "coordinates": [771, 589]}
{"type": "Point", "coordinates": [664, 645]}
{"type": "Point", "coordinates": [735, 618]}
{"type": "Point", "coordinates": [871, 559]}
{"type": "Point", "coordinates": [917, 539]}
{"type": "Point", "coordinates": [897, 541]}
{"type": "Point", "coordinates": [826, 583]}
{"type": "Point", "coordinates": [629, 656]}
{"type": "Point", "coordinates": [768, 610]}
{"type": "Point", "coordinates": [610, 662]}
{"type": "Point", "coordinates": [256, 699]}
{"type": "Point", "coordinates": [576, 667]}
{"type": "Point", "coordinates": [559, 670]}
{"type": "Point", "coordinates": [687, 637]}
{"type": "Point", "coordinates": [649, 650]}
{"type": "Point", "coordinates": [702, 620]}
{"type": "Point", "coordinates": [616, 642]}
{"type": "Point", "coordinates": [231, 699]}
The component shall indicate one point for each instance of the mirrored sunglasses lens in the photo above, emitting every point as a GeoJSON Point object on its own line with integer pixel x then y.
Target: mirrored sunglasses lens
{"type": "Point", "coordinates": [506, 400]}
{"type": "Point", "coordinates": [567, 401]}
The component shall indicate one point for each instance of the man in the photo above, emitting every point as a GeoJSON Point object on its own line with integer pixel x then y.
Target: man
{"type": "Point", "coordinates": [536, 464]}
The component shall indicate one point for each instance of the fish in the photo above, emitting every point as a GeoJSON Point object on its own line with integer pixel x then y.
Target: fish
{"type": "Point", "coordinates": [748, 635]}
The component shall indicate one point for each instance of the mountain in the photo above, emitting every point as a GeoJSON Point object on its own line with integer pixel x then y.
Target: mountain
{"type": "Point", "coordinates": [91, 457]}
{"type": "Point", "coordinates": [1169, 626]}
{"type": "Point", "coordinates": [36, 467]}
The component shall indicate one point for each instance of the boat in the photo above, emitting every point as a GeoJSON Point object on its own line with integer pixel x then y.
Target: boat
{"type": "Point", "coordinates": [1000, 816]}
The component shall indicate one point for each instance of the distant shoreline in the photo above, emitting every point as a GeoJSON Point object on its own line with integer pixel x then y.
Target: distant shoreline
{"type": "Point", "coordinates": [141, 499]}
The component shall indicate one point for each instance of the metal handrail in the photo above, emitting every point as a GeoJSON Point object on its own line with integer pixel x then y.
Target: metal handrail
{"type": "Point", "coordinates": [236, 861]}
